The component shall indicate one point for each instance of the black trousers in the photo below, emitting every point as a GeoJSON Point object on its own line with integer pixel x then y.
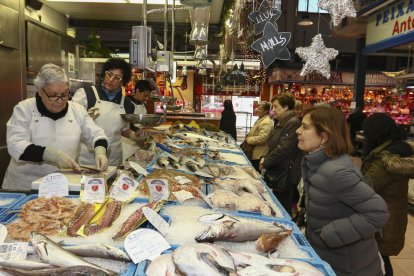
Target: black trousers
{"type": "Point", "coordinates": [285, 198]}
{"type": "Point", "coordinates": [255, 164]}
{"type": "Point", "coordinates": [387, 265]}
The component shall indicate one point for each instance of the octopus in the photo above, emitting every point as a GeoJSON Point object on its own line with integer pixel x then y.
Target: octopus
{"type": "Point", "coordinates": [83, 216]}
{"type": "Point", "coordinates": [104, 217]}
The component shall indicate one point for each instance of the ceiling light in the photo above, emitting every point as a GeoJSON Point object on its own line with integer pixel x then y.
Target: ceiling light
{"type": "Point", "coordinates": [305, 21]}
{"type": "Point", "coordinates": [149, 2]}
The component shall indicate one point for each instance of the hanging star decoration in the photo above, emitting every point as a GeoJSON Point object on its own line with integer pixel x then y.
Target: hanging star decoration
{"type": "Point", "coordinates": [264, 14]}
{"type": "Point", "coordinates": [338, 9]}
{"type": "Point", "coordinates": [317, 57]}
{"type": "Point", "coordinates": [272, 45]}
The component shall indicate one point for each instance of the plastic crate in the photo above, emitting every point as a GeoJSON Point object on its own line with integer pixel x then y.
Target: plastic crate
{"type": "Point", "coordinates": [284, 213]}
{"type": "Point", "coordinates": [10, 200]}
{"type": "Point", "coordinates": [12, 215]}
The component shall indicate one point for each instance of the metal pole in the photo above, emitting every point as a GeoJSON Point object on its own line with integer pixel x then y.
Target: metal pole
{"type": "Point", "coordinates": [144, 12]}
{"type": "Point", "coordinates": [165, 24]}
{"type": "Point", "coordinates": [173, 28]}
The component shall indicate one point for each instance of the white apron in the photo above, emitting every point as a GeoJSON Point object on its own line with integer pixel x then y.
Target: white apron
{"type": "Point", "coordinates": [111, 122]}
{"type": "Point", "coordinates": [63, 134]}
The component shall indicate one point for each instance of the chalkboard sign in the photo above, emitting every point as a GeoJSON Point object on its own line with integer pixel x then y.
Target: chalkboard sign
{"type": "Point", "coordinates": [272, 45]}
{"type": "Point", "coordinates": [264, 14]}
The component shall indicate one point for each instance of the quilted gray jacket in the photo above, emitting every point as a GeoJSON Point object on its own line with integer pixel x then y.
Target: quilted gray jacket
{"type": "Point", "coordinates": [343, 214]}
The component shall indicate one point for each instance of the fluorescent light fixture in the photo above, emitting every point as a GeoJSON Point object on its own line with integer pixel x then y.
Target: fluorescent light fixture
{"type": "Point", "coordinates": [149, 2]}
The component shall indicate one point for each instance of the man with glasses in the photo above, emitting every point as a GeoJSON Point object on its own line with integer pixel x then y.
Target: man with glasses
{"type": "Point", "coordinates": [44, 132]}
{"type": "Point", "coordinates": [105, 102]}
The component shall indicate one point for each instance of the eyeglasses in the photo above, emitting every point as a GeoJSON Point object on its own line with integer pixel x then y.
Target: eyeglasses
{"type": "Point", "coordinates": [64, 97]}
{"type": "Point", "coordinates": [110, 75]}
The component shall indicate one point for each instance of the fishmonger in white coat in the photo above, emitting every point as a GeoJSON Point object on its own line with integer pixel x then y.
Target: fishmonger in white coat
{"type": "Point", "coordinates": [44, 132]}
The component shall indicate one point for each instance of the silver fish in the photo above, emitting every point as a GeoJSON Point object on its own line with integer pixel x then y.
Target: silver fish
{"type": "Point", "coordinates": [226, 170]}
{"type": "Point", "coordinates": [162, 265]}
{"type": "Point", "coordinates": [214, 170]}
{"type": "Point", "coordinates": [200, 162]}
{"type": "Point", "coordinates": [24, 264]}
{"type": "Point", "coordinates": [174, 164]}
{"type": "Point", "coordinates": [162, 161]}
{"type": "Point", "coordinates": [52, 253]}
{"type": "Point", "coordinates": [184, 160]}
{"type": "Point", "coordinates": [191, 166]}
{"type": "Point", "coordinates": [227, 228]}
{"type": "Point", "coordinates": [202, 259]}
{"type": "Point", "coordinates": [252, 172]}
{"type": "Point", "coordinates": [225, 199]}
{"type": "Point", "coordinates": [99, 251]}
{"type": "Point", "coordinates": [62, 271]}
{"type": "Point", "coordinates": [243, 259]}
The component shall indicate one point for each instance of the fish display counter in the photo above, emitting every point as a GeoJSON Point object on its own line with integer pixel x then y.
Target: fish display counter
{"type": "Point", "coordinates": [212, 204]}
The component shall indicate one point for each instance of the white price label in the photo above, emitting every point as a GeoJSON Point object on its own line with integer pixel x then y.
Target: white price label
{"type": "Point", "coordinates": [183, 180]}
{"type": "Point", "coordinates": [93, 189]}
{"type": "Point", "coordinates": [145, 244]}
{"type": "Point", "coordinates": [158, 189]}
{"type": "Point", "coordinates": [13, 251]}
{"type": "Point", "coordinates": [156, 220]}
{"type": "Point", "coordinates": [54, 184]}
{"type": "Point", "coordinates": [138, 168]}
{"type": "Point", "coordinates": [3, 233]}
{"type": "Point", "coordinates": [123, 188]}
{"type": "Point", "coordinates": [183, 195]}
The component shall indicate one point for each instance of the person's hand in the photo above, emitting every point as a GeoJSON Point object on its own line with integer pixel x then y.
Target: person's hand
{"type": "Point", "coordinates": [261, 163]}
{"type": "Point", "coordinates": [100, 158]}
{"type": "Point", "coordinates": [94, 112]}
{"type": "Point", "coordinates": [60, 158]}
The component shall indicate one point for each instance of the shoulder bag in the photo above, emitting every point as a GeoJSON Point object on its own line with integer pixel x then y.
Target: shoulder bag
{"type": "Point", "coordinates": [247, 149]}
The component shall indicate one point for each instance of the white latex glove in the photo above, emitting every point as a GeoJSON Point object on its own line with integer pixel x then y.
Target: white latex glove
{"type": "Point", "coordinates": [60, 158]}
{"type": "Point", "coordinates": [94, 112]}
{"type": "Point", "coordinates": [101, 159]}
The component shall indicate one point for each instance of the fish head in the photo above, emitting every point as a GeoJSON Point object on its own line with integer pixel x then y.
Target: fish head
{"type": "Point", "coordinates": [40, 244]}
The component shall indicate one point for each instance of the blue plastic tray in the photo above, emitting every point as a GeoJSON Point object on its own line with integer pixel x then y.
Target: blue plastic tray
{"type": "Point", "coordinates": [12, 215]}
{"type": "Point", "coordinates": [320, 265]}
{"type": "Point", "coordinates": [11, 198]}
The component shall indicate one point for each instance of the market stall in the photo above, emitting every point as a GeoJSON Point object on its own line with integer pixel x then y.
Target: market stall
{"type": "Point", "coordinates": [199, 182]}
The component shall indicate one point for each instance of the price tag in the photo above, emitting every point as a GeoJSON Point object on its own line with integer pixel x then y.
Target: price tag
{"type": "Point", "coordinates": [203, 196]}
{"type": "Point", "coordinates": [3, 233]}
{"type": "Point", "coordinates": [138, 168]}
{"type": "Point", "coordinates": [13, 251]}
{"type": "Point", "coordinates": [183, 180]}
{"type": "Point", "coordinates": [158, 189]}
{"type": "Point", "coordinates": [145, 244]}
{"type": "Point", "coordinates": [183, 195]}
{"type": "Point", "coordinates": [123, 188]}
{"type": "Point", "coordinates": [93, 189]}
{"type": "Point", "coordinates": [54, 184]}
{"type": "Point", "coordinates": [156, 220]}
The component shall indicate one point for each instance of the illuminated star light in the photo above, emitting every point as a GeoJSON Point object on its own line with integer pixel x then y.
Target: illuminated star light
{"type": "Point", "coordinates": [317, 57]}
{"type": "Point", "coordinates": [338, 9]}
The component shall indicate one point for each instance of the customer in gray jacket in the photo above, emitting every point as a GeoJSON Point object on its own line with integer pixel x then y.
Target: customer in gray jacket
{"type": "Point", "coordinates": [343, 212]}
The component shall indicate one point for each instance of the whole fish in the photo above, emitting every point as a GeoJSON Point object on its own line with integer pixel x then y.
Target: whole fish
{"type": "Point", "coordinates": [228, 228]}
{"type": "Point", "coordinates": [191, 166]}
{"type": "Point", "coordinates": [52, 253]}
{"type": "Point", "coordinates": [163, 162]}
{"type": "Point", "coordinates": [200, 162]}
{"type": "Point", "coordinates": [162, 265]}
{"type": "Point", "coordinates": [252, 172]}
{"type": "Point", "coordinates": [24, 264]}
{"type": "Point", "coordinates": [62, 271]}
{"type": "Point", "coordinates": [99, 251]}
{"type": "Point", "coordinates": [202, 259]}
{"type": "Point", "coordinates": [174, 163]}
{"type": "Point", "coordinates": [244, 259]}
{"type": "Point", "coordinates": [225, 199]}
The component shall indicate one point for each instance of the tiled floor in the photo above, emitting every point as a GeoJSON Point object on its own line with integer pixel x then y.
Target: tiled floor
{"type": "Point", "coordinates": [403, 264]}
